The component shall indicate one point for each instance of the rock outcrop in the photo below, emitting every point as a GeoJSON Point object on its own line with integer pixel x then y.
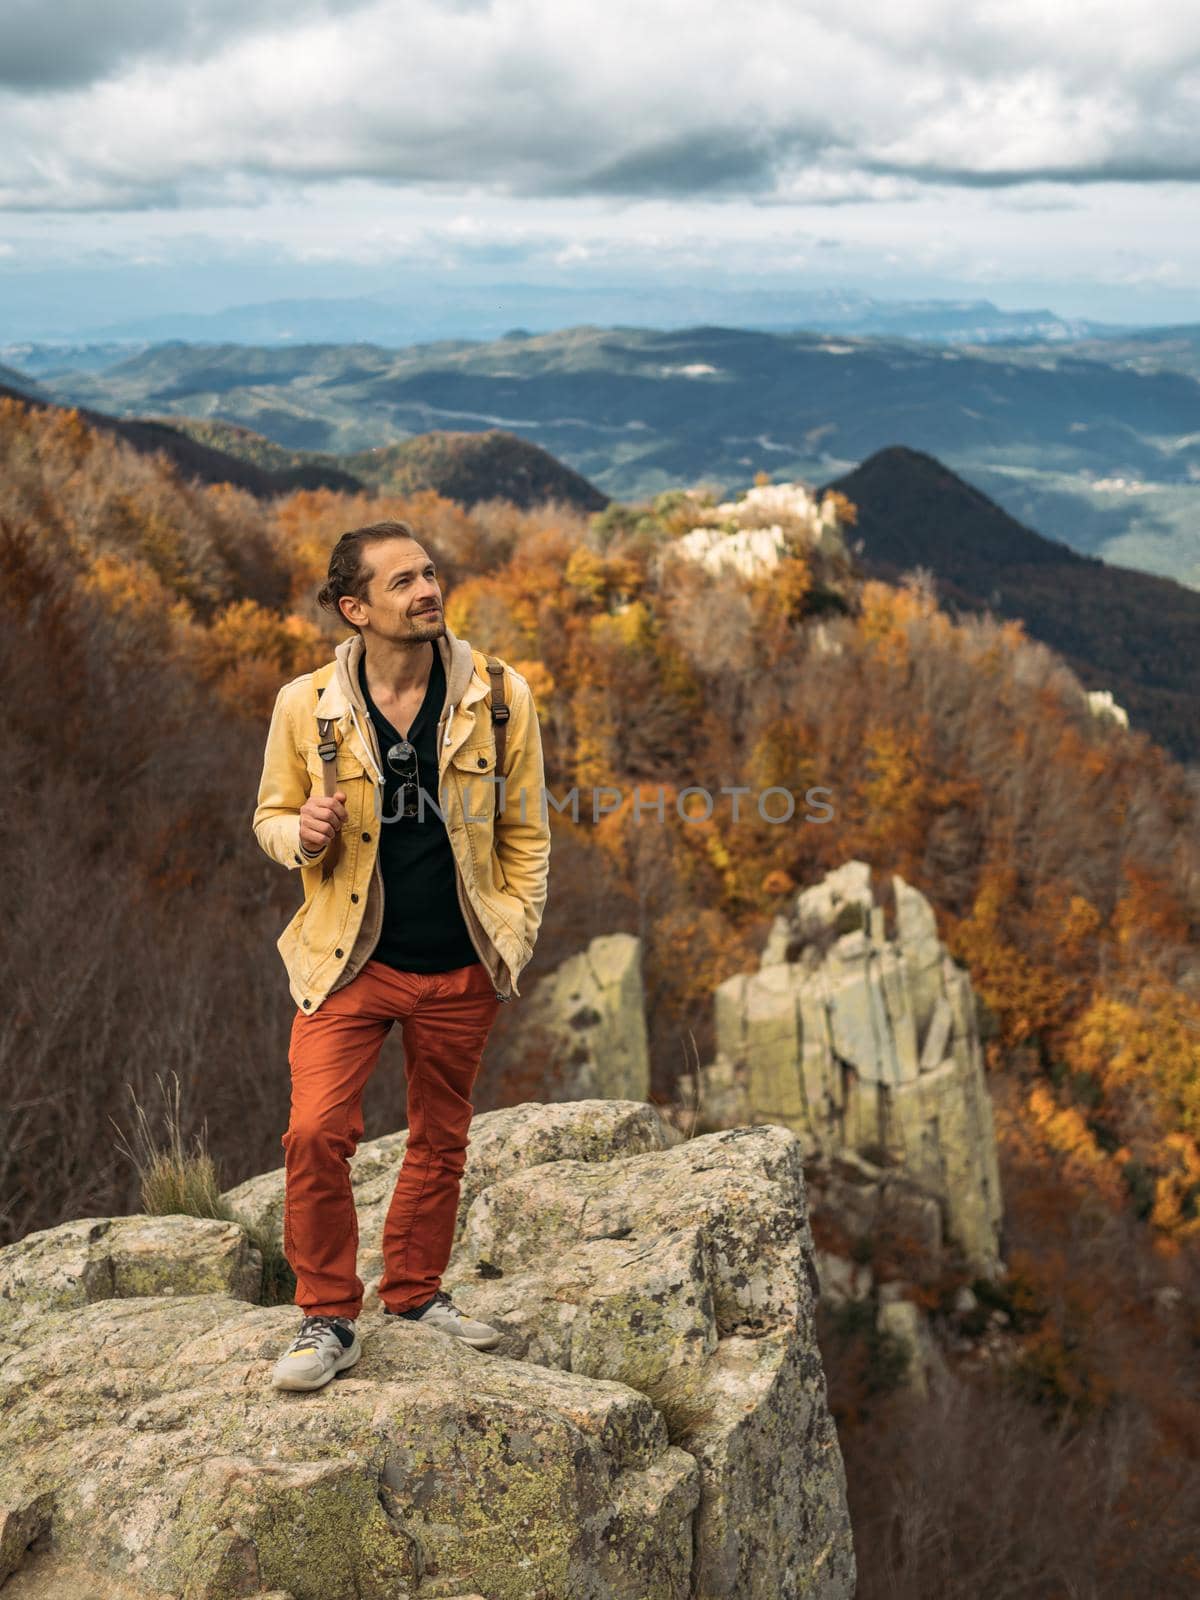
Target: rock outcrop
{"type": "Point", "coordinates": [1104, 708]}
{"type": "Point", "coordinates": [654, 1424]}
{"type": "Point", "coordinates": [584, 1024]}
{"type": "Point", "coordinates": [866, 1043]}
{"type": "Point", "coordinates": [763, 527]}
{"type": "Point", "coordinates": [110, 1258]}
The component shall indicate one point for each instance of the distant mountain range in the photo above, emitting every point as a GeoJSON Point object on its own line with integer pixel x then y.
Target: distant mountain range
{"type": "Point", "coordinates": [425, 308]}
{"type": "Point", "coordinates": [1104, 455]}
{"type": "Point", "coordinates": [20, 383]}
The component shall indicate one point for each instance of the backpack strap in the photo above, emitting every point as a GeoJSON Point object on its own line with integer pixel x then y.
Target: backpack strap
{"type": "Point", "coordinates": [499, 720]}
{"type": "Point", "coordinates": [327, 748]}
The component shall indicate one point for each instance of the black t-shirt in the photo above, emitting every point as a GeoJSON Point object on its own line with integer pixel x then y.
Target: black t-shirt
{"type": "Point", "coordinates": [423, 927]}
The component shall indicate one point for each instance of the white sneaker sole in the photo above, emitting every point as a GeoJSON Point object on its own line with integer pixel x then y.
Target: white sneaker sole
{"type": "Point", "coordinates": [487, 1341]}
{"type": "Point", "coordinates": [285, 1380]}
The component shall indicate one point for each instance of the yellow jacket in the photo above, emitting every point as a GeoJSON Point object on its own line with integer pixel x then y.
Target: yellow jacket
{"type": "Point", "coordinates": [501, 868]}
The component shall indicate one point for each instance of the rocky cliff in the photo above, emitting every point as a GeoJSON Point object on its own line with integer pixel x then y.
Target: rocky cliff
{"type": "Point", "coordinates": [653, 1427]}
{"type": "Point", "coordinates": [583, 1024]}
{"type": "Point", "coordinates": [867, 1043]}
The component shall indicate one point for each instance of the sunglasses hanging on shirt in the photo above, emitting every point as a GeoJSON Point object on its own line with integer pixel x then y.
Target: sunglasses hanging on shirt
{"type": "Point", "coordinates": [402, 760]}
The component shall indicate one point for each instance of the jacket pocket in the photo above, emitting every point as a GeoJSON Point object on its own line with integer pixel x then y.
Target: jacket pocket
{"type": "Point", "coordinates": [469, 770]}
{"type": "Point", "coordinates": [474, 767]}
{"type": "Point", "coordinates": [349, 767]}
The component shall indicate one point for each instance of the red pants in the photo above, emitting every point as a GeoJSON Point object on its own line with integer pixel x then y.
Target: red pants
{"type": "Point", "coordinates": [446, 1018]}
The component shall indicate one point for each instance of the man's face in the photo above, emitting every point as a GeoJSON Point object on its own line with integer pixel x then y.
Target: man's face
{"type": "Point", "coordinates": [403, 598]}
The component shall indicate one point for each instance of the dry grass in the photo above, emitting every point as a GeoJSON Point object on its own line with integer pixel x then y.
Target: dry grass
{"type": "Point", "coordinates": [175, 1180]}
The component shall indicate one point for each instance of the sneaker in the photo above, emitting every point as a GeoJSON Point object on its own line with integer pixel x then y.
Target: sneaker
{"type": "Point", "coordinates": [323, 1346]}
{"type": "Point", "coordinates": [440, 1312]}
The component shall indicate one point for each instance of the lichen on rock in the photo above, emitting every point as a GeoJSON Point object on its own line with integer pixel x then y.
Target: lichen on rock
{"type": "Point", "coordinates": [653, 1426]}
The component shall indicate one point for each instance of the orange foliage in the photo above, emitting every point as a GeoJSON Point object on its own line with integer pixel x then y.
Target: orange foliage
{"type": "Point", "coordinates": [87, 494]}
{"type": "Point", "coordinates": [539, 679]}
{"type": "Point", "coordinates": [595, 742]}
{"type": "Point", "coordinates": [1134, 1047]}
{"type": "Point", "coordinates": [248, 652]}
{"type": "Point", "coordinates": [1148, 914]}
{"type": "Point", "coordinates": [1064, 1131]}
{"type": "Point", "coordinates": [781, 595]}
{"type": "Point", "coordinates": [847, 511]}
{"type": "Point", "coordinates": [1177, 1189]}
{"type": "Point", "coordinates": [1026, 994]}
{"type": "Point", "coordinates": [895, 792]}
{"type": "Point", "coordinates": [130, 591]}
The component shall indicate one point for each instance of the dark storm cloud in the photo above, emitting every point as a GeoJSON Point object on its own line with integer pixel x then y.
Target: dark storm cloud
{"type": "Point", "coordinates": [703, 162]}
{"type": "Point", "coordinates": [1134, 170]}
{"type": "Point", "coordinates": [708, 162]}
{"type": "Point", "coordinates": [62, 44]}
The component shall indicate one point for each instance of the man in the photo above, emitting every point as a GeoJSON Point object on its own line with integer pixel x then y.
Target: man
{"type": "Point", "coordinates": [408, 916]}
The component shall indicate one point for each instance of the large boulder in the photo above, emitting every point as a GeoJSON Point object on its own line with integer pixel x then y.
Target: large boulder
{"type": "Point", "coordinates": [653, 1425]}
{"type": "Point", "coordinates": [500, 1143]}
{"type": "Point", "coordinates": [148, 1433]}
{"type": "Point", "coordinates": [583, 1025]}
{"type": "Point", "coordinates": [867, 1042]}
{"type": "Point", "coordinates": [107, 1258]}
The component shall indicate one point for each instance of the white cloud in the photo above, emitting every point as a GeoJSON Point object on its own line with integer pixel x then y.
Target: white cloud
{"type": "Point", "coordinates": [822, 102]}
{"type": "Point", "coordinates": [933, 149]}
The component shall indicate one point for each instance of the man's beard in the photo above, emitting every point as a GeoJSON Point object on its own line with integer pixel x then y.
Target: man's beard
{"type": "Point", "coordinates": [423, 629]}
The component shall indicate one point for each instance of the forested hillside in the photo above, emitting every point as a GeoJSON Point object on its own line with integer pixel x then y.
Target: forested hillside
{"type": "Point", "coordinates": [147, 623]}
{"type": "Point", "coordinates": [1132, 633]}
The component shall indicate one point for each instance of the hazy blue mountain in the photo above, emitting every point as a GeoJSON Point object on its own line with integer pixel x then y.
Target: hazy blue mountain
{"type": "Point", "coordinates": [1173, 349]}
{"type": "Point", "coordinates": [20, 383]}
{"type": "Point", "coordinates": [1105, 457]}
{"type": "Point", "coordinates": [48, 360]}
{"type": "Point", "coordinates": [420, 309]}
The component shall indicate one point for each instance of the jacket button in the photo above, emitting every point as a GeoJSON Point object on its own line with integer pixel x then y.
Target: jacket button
{"type": "Point", "coordinates": [354, 899]}
{"type": "Point", "coordinates": [297, 858]}
{"type": "Point", "coordinates": [307, 1003]}
{"type": "Point", "coordinates": [366, 838]}
{"type": "Point", "coordinates": [483, 761]}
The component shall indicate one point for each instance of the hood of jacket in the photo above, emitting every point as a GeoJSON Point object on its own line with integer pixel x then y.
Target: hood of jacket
{"type": "Point", "coordinates": [342, 697]}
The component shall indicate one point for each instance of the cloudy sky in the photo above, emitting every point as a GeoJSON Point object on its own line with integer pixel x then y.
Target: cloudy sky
{"type": "Point", "coordinates": [161, 154]}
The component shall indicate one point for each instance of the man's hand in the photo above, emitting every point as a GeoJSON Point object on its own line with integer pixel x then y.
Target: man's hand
{"type": "Point", "coordinates": [321, 816]}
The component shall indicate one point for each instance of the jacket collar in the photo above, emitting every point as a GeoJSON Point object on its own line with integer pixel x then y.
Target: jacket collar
{"type": "Point", "coordinates": [342, 690]}
{"type": "Point", "coordinates": [341, 696]}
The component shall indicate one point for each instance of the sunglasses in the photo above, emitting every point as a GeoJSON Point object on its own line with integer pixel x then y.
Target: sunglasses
{"type": "Point", "coordinates": [402, 760]}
